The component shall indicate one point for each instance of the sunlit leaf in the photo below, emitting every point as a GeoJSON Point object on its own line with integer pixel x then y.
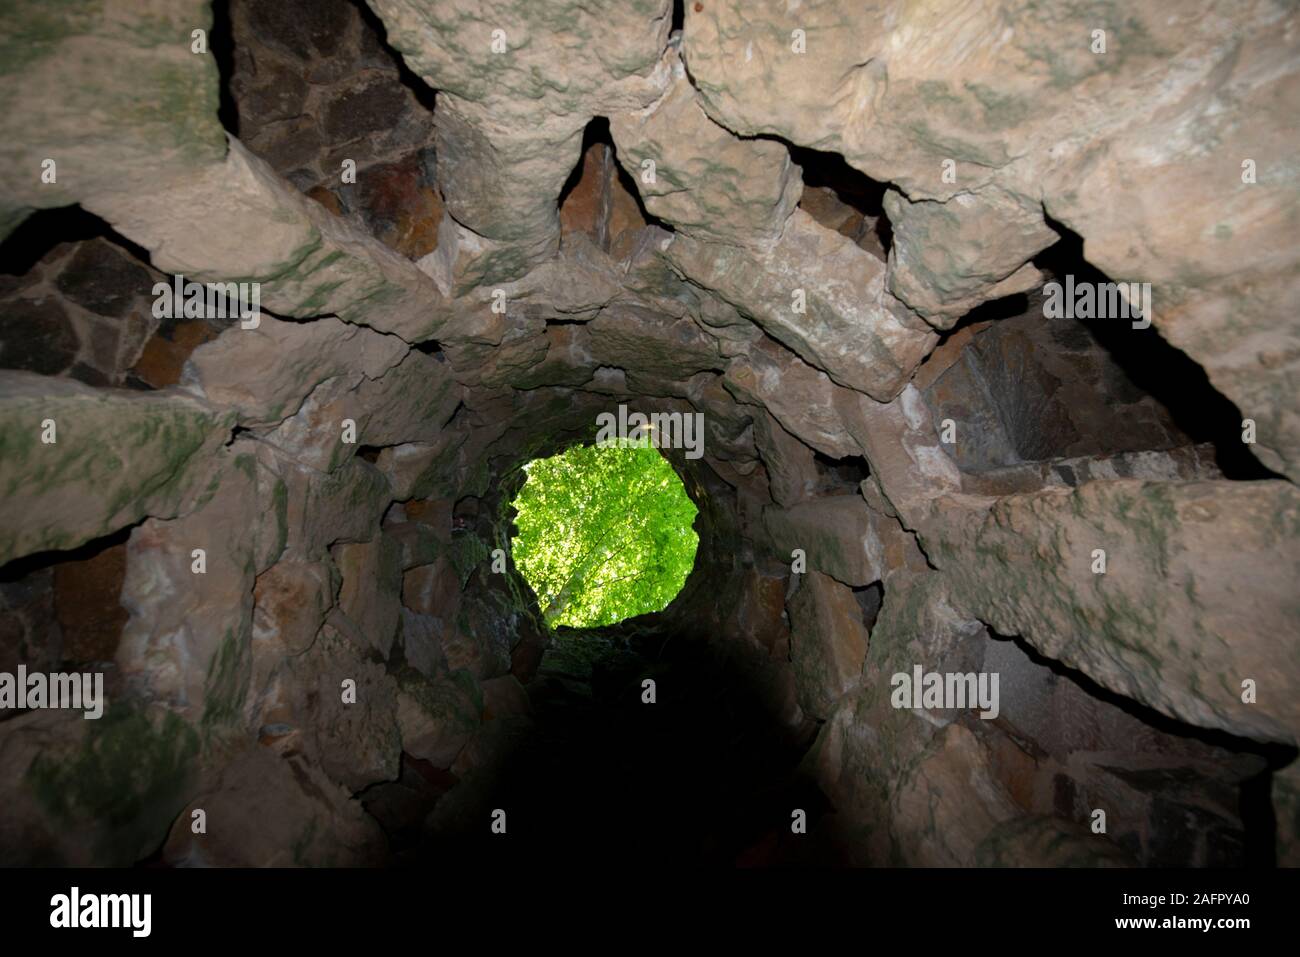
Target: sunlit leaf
{"type": "Point", "coordinates": [605, 533]}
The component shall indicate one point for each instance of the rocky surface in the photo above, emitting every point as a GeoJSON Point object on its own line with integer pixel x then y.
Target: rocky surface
{"type": "Point", "coordinates": [826, 227]}
{"type": "Point", "coordinates": [141, 107]}
{"type": "Point", "coordinates": [91, 461]}
{"type": "Point", "coordinates": [1220, 614]}
{"type": "Point", "coordinates": [1007, 122]}
{"type": "Point", "coordinates": [290, 817]}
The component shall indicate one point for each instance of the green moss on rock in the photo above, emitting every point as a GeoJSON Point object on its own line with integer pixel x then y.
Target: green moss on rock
{"type": "Point", "coordinates": [126, 783]}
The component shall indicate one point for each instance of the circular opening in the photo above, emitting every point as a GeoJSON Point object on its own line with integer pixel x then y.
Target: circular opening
{"type": "Point", "coordinates": [605, 533]}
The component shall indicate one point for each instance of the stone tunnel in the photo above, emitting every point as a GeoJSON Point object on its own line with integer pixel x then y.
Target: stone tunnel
{"type": "Point", "coordinates": [991, 320]}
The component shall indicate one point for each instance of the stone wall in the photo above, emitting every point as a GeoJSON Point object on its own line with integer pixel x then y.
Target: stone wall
{"type": "Point", "coordinates": [832, 253]}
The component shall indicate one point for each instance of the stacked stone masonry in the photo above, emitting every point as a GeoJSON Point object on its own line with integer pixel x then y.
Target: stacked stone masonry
{"type": "Point", "coordinates": [830, 228]}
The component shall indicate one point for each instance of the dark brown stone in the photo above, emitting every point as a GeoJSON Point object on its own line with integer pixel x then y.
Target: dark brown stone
{"type": "Point", "coordinates": [372, 108]}
{"type": "Point", "coordinates": [583, 208]}
{"type": "Point", "coordinates": [307, 29]}
{"type": "Point", "coordinates": [526, 659]}
{"type": "Point", "coordinates": [86, 602]}
{"type": "Point", "coordinates": [823, 205]}
{"type": "Point", "coordinates": [436, 513]}
{"type": "Point", "coordinates": [269, 93]}
{"type": "Point", "coordinates": [288, 144]}
{"type": "Point", "coordinates": [327, 198]}
{"type": "Point", "coordinates": [28, 633]}
{"type": "Point", "coordinates": [625, 218]}
{"type": "Point", "coordinates": [102, 278]}
{"type": "Point", "coordinates": [371, 51]}
{"type": "Point", "coordinates": [163, 358]}
{"type": "Point", "coordinates": [104, 339]}
{"type": "Point", "coordinates": [36, 335]}
{"type": "Point", "coordinates": [401, 210]}
{"type": "Point", "coordinates": [89, 375]}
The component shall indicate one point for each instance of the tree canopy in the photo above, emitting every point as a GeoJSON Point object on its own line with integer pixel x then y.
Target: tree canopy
{"type": "Point", "coordinates": [605, 533]}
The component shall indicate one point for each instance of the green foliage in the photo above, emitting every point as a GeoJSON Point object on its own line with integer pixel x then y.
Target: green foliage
{"type": "Point", "coordinates": [604, 533]}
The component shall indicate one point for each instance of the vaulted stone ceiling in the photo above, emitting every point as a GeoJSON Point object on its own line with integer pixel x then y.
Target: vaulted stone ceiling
{"type": "Point", "coordinates": [828, 226]}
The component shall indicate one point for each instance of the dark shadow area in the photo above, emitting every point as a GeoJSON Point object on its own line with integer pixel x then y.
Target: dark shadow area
{"type": "Point", "coordinates": [60, 611]}
{"type": "Point", "coordinates": [700, 777]}
{"type": "Point", "coordinates": [870, 599]}
{"type": "Point", "coordinates": [431, 348]}
{"type": "Point", "coordinates": [1256, 805]}
{"type": "Point", "coordinates": [861, 194]}
{"type": "Point", "coordinates": [1159, 369]}
{"type": "Point", "coordinates": [840, 476]}
{"type": "Point", "coordinates": [629, 186]}
{"type": "Point", "coordinates": [222, 44]}
{"type": "Point", "coordinates": [425, 95]}
{"type": "Point", "coordinates": [1008, 307]}
{"type": "Point", "coordinates": [597, 133]}
{"type": "Point", "coordinates": [238, 432]}
{"type": "Point", "coordinates": [46, 228]}
{"type": "Point", "coordinates": [20, 568]}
